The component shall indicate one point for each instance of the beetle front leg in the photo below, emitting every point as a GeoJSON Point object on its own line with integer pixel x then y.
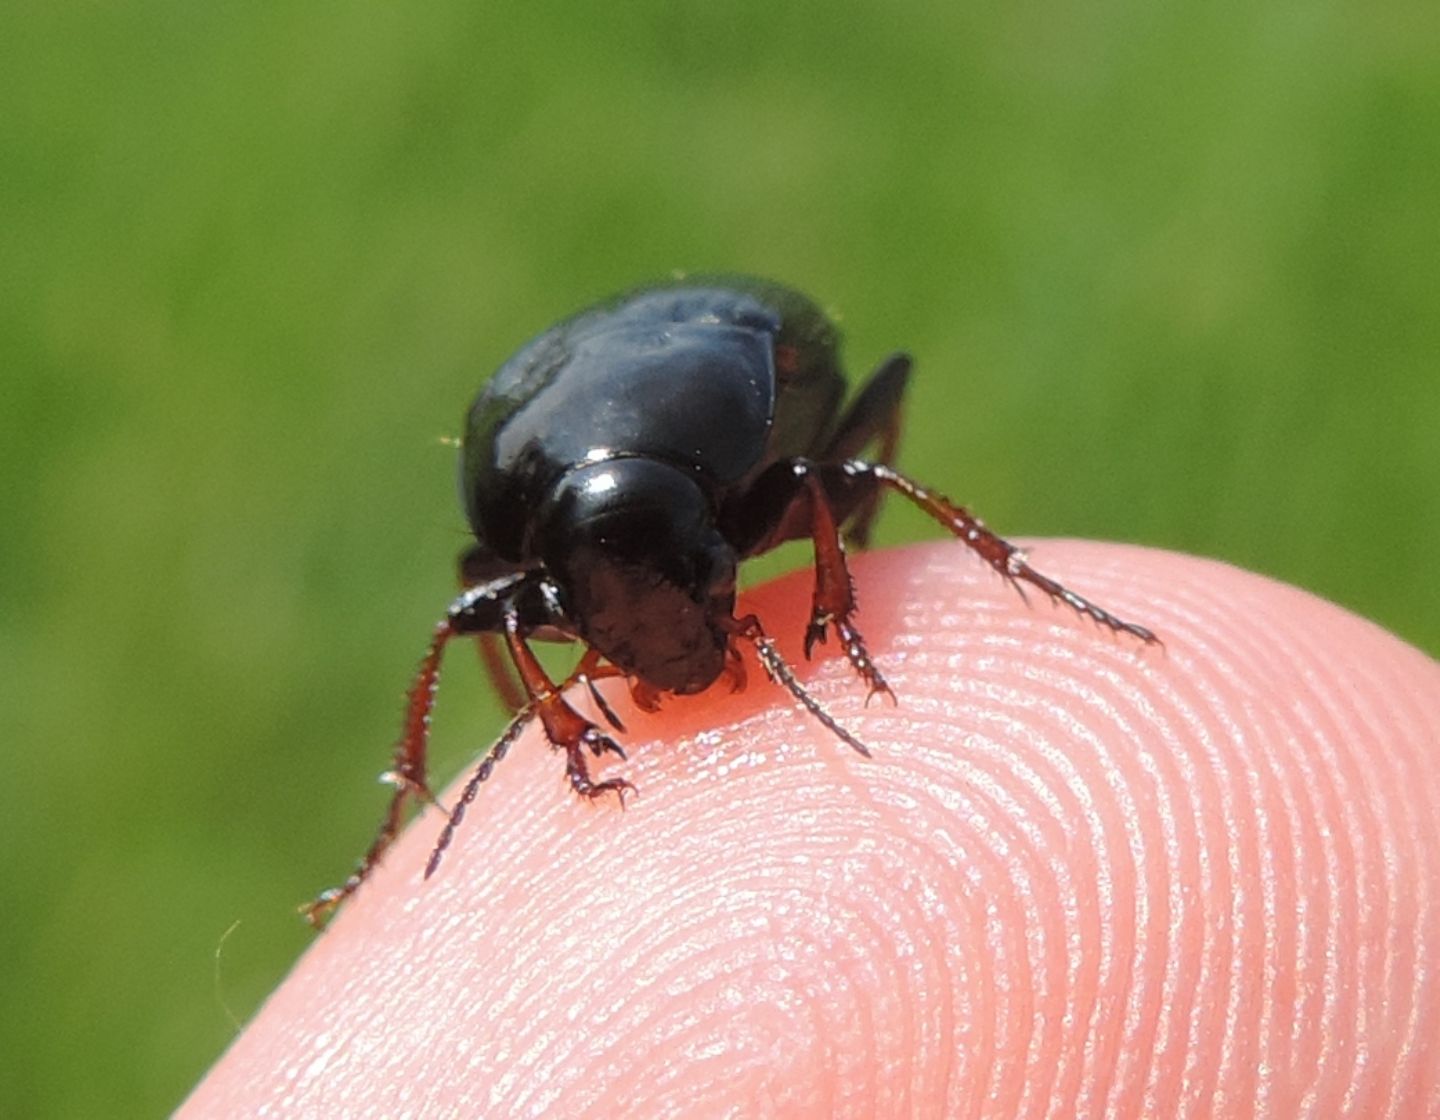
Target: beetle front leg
{"type": "Point", "coordinates": [564, 726]}
{"type": "Point", "coordinates": [833, 601]}
{"type": "Point", "coordinates": [793, 501]}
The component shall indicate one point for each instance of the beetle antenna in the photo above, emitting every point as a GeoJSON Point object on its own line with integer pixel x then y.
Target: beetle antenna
{"type": "Point", "coordinates": [472, 787]}
{"type": "Point", "coordinates": [780, 671]}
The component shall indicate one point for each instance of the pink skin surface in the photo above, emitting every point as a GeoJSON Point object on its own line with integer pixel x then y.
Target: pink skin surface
{"type": "Point", "coordinates": [1080, 877]}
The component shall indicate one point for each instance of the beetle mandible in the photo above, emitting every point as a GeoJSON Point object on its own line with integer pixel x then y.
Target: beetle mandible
{"type": "Point", "coordinates": [615, 472]}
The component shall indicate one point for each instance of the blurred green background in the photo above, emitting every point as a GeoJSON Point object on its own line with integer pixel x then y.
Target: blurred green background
{"type": "Point", "coordinates": [1170, 273]}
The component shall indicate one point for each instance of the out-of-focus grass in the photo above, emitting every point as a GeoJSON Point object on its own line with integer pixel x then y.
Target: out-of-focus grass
{"type": "Point", "coordinates": [1170, 274]}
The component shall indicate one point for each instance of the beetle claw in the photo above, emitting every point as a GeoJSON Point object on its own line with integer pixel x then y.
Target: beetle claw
{"type": "Point", "coordinates": [581, 783]}
{"type": "Point", "coordinates": [618, 786]}
{"type": "Point", "coordinates": [816, 633]}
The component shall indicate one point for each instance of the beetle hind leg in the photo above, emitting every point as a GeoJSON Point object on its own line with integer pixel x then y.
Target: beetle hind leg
{"type": "Point", "coordinates": [873, 415]}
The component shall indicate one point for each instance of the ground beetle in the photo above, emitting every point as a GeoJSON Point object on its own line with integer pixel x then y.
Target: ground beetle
{"type": "Point", "coordinates": [617, 469]}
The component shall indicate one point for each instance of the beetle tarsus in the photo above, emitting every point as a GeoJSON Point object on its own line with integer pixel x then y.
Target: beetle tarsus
{"type": "Point", "coordinates": [1059, 593]}
{"type": "Point", "coordinates": [581, 782]}
{"type": "Point", "coordinates": [472, 787]}
{"type": "Point", "coordinates": [779, 671]}
{"type": "Point", "coordinates": [859, 656]}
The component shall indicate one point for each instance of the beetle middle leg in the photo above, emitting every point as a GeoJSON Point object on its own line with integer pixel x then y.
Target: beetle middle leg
{"type": "Point", "coordinates": [407, 775]}
{"type": "Point", "coordinates": [857, 479]}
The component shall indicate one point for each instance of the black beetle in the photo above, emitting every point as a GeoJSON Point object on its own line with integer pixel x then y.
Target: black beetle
{"type": "Point", "coordinates": [615, 472]}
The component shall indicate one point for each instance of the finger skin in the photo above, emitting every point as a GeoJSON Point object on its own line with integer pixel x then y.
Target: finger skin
{"type": "Point", "coordinates": [1080, 877]}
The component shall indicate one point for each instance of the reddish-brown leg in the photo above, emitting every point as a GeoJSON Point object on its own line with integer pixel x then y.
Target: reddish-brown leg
{"type": "Point", "coordinates": [498, 670]}
{"type": "Point", "coordinates": [834, 598]}
{"type": "Point", "coordinates": [874, 414]}
{"type": "Point", "coordinates": [407, 775]}
{"type": "Point", "coordinates": [564, 726]}
{"type": "Point", "coordinates": [999, 553]}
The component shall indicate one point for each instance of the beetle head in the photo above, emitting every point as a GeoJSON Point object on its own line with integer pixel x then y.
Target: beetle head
{"type": "Point", "coordinates": [645, 576]}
